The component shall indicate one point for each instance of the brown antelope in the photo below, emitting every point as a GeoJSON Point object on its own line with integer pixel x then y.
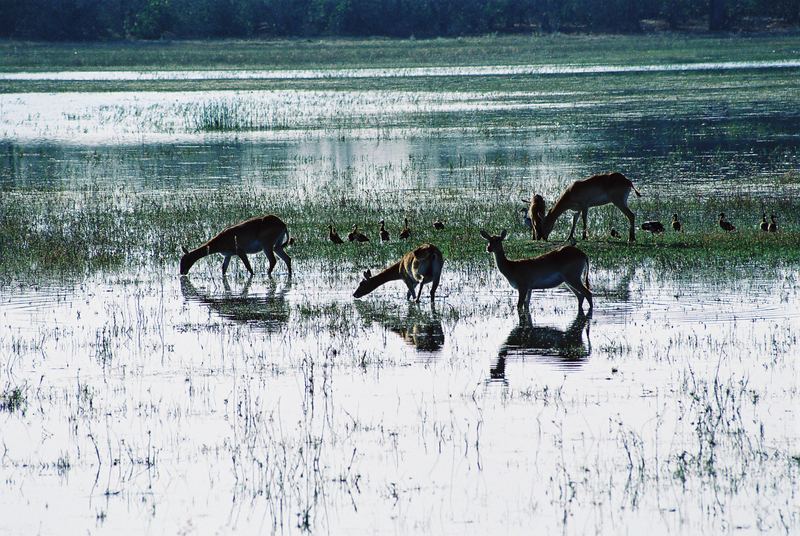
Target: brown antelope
{"type": "Point", "coordinates": [422, 265]}
{"type": "Point", "coordinates": [593, 192]}
{"type": "Point", "coordinates": [262, 233]}
{"type": "Point", "coordinates": [564, 265]}
{"type": "Point", "coordinates": [536, 214]}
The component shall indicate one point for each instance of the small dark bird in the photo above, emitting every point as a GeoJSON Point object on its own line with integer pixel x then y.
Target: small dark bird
{"type": "Point", "coordinates": [615, 233]}
{"type": "Point", "coordinates": [655, 227]}
{"type": "Point", "coordinates": [405, 232]}
{"type": "Point", "coordinates": [333, 236]}
{"type": "Point", "coordinates": [764, 225]}
{"type": "Point", "coordinates": [357, 236]}
{"type": "Point", "coordinates": [773, 227]}
{"type": "Point", "coordinates": [438, 225]}
{"type": "Point", "coordinates": [725, 224]}
{"type": "Point", "coordinates": [676, 225]}
{"type": "Point", "coordinates": [384, 232]}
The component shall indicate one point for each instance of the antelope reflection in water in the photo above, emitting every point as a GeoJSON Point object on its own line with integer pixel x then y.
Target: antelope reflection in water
{"type": "Point", "coordinates": [269, 310]}
{"type": "Point", "coordinates": [566, 346]}
{"type": "Point", "coordinates": [418, 327]}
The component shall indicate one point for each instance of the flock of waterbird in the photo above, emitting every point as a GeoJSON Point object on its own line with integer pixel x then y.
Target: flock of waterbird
{"type": "Point", "coordinates": [566, 265]}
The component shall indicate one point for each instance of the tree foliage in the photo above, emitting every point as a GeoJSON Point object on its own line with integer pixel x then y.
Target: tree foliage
{"type": "Point", "coordinates": [149, 19]}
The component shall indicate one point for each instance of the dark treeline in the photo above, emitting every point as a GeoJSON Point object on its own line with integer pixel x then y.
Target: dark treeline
{"type": "Point", "coordinates": [152, 19]}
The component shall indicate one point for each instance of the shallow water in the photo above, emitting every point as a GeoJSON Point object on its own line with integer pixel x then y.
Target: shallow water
{"type": "Point", "coordinates": [257, 401]}
{"type": "Point", "coordinates": [203, 405]}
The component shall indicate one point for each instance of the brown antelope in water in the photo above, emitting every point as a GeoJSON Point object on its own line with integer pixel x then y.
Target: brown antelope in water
{"type": "Point", "coordinates": [593, 192]}
{"type": "Point", "coordinates": [262, 233]}
{"type": "Point", "coordinates": [422, 265]}
{"type": "Point", "coordinates": [564, 265]}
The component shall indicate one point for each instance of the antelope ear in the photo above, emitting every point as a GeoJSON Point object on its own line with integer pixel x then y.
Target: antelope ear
{"type": "Point", "coordinates": [367, 274]}
{"type": "Point", "coordinates": [503, 234]}
{"type": "Point", "coordinates": [185, 251]}
{"type": "Point", "coordinates": [485, 235]}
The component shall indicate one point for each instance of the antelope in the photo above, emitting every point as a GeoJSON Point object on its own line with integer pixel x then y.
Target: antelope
{"type": "Point", "coordinates": [676, 224]}
{"type": "Point", "coordinates": [262, 233]}
{"type": "Point", "coordinates": [564, 265]}
{"type": "Point", "coordinates": [357, 236]}
{"type": "Point", "coordinates": [438, 225]}
{"type": "Point", "coordinates": [764, 225]}
{"type": "Point", "coordinates": [655, 227]}
{"type": "Point", "coordinates": [405, 232]}
{"type": "Point", "coordinates": [384, 233]}
{"type": "Point", "coordinates": [333, 236]}
{"type": "Point", "coordinates": [725, 224]}
{"type": "Point", "coordinates": [592, 192]}
{"type": "Point", "coordinates": [421, 265]}
{"type": "Point", "coordinates": [773, 227]}
{"type": "Point", "coordinates": [536, 214]}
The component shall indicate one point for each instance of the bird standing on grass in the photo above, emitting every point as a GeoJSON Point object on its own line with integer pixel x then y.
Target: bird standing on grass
{"type": "Point", "coordinates": [357, 236]}
{"type": "Point", "coordinates": [384, 233]}
{"type": "Point", "coordinates": [773, 227]}
{"type": "Point", "coordinates": [655, 227]}
{"type": "Point", "coordinates": [405, 232]}
{"type": "Point", "coordinates": [438, 225]}
{"type": "Point", "coordinates": [725, 224]}
{"type": "Point", "coordinates": [676, 225]}
{"type": "Point", "coordinates": [764, 225]}
{"type": "Point", "coordinates": [333, 236]}
{"type": "Point", "coordinates": [615, 233]}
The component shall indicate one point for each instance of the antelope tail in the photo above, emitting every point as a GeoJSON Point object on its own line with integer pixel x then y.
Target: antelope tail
{"type": "Point", "coordinates": [638, 193]}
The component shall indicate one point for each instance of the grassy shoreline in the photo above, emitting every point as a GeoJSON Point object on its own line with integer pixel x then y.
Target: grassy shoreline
{"type": "Point", "coordinates": [93, 231]}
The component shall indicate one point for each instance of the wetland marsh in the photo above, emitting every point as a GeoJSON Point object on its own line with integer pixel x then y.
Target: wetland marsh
{"type": "Point", "coordinates": [133, 400]}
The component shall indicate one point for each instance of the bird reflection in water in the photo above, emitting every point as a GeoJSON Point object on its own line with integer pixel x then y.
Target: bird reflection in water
{"type": "Point", "coordinates": [269, 310]}
{"type": "Point", "coordinates": [419, 328]}
{"type": "Point", "coordinates": [564, 348]}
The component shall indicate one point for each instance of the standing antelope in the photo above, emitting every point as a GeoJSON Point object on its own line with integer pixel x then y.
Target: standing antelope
{"type": "Point", "coordinates": [593, 192]}
{"type": "Point", "coordinates": [422, 265]}
{"type": "Point", "coordinates": [564, 265]}
{"type": "Point", "coordinates": [262, 233]}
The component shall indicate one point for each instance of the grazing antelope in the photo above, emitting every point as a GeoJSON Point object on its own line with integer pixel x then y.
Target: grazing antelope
{"type": "Point", "coordinates": [384, 233]}
{"type": "Point", "coordinates": [773, 227]}
{"type": "Point", "coordinates": [422, 265]}
{"type": "Point", "coordinates": [564, 265]}
{"type": "Point", "coordinates": [725, 224]}
{"type": "Point", "coordinates": [262, 233]}
{"type": "Point", "coordinates": [438, 225]}
{"type": "Point", "coordinates": [676, 224]}
{"type": "Point", "coordinates": [764, 225]}
{"type": "Point", "coordinates": [405, 232]}
{"type": "Point", "coordinates": [593, 192]}
{"type": "Point", "coordinates": [536, 214]}
{"type": "Point", "coordinates": [357, 236]}
{"type": "Point", "coordinates": [333, 236]}
{"type": "Point", "coordinates": [655, 227]}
